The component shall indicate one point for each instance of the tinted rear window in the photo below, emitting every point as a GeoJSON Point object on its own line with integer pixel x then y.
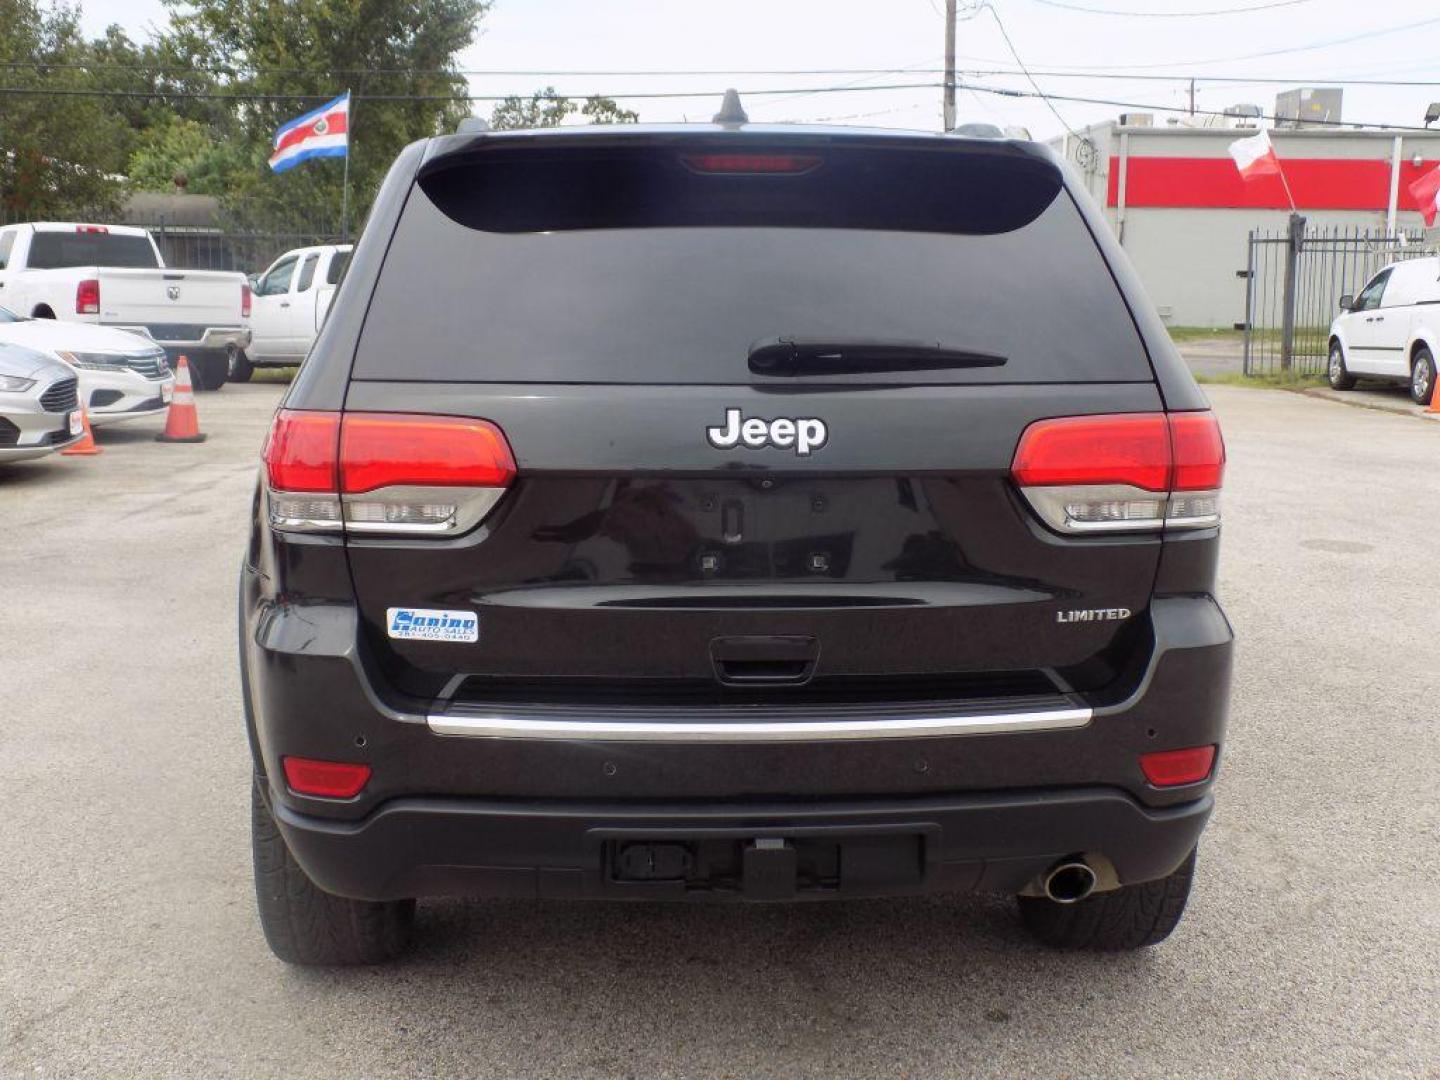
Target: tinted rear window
{"type": "Point", "coordinates": [55, 250]}
{"type": "Point", "coordinates": [336, 270]}
{"type": "Point", "coordinates": [553, 267]}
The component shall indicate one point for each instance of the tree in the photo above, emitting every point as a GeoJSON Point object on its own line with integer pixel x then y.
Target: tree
{"type": "Point", "coordinates": [62, 154]}
{"type": "Point", "coordinates": [177, 147]}
{"type": "Point", "coordinates": [285, 57]}
{"type": "Point", "coordinates": [545, 108]}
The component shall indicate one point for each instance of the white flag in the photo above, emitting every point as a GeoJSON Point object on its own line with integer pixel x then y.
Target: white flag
{"type": "Point", "coordinates": [1254, 156]}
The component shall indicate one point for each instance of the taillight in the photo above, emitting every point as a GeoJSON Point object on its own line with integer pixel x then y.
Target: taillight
{"type": "Point", "coordinates": [1171, 768]}
{"type": "Point", "coordinates": [87, 297]}
{"type": "Point", "coordinates": [1123, 472]}
{"type": "Point", "coordinates": [327, 779]}
{"type": "Point", "coordinates": [92, 229]}
{"type": "Point", "coordinates": [769, 164]}
{"type": "Point", "coordinates": [244, 300]}
{"type": "Point", "coordinates": [384, 472]}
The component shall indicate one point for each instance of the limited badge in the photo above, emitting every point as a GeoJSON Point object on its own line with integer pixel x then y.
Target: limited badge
{"type": "Point", "coordinates": [428, 624]}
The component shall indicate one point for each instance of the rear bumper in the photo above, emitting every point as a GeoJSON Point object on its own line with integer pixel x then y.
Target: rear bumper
{"type": "Point", "coordinates": [497, 810]}
{"type": "Point", "coordinates": [843, 849]}
{"type": "Point", "coordinates": [193, 337]}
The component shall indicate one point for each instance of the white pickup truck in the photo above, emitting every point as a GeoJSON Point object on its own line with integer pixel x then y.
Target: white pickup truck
{"type": "Point", "coordinates": [290, 302]}
{"type": "Point", "coordinates": [113, 275]}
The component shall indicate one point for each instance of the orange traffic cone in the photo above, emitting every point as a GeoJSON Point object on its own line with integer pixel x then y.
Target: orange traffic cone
{"type": "Point", "coordinates": [86, 446]}
{"type": "Point", "coordinates": [182, 423]}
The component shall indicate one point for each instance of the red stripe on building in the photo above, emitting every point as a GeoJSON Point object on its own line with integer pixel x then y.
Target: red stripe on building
{"type": "Point", "coordinates": [1215, 183]}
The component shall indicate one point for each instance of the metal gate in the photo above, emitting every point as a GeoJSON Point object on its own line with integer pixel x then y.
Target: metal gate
{"type": "Point", "coordinates": [1294, 282]}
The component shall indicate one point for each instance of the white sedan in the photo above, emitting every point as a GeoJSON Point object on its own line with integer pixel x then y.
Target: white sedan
{"type": "Point", "coordinates": [123, 376]}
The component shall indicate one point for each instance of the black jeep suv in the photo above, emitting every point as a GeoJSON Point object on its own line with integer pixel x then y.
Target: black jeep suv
{"type": "Point", "coordinates": [733, 513]}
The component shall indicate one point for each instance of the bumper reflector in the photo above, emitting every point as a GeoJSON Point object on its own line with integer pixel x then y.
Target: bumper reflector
{"type": "Point", "coordinates": [1171, 768]}
{"type": "Point", "coordinates": [326, 779]}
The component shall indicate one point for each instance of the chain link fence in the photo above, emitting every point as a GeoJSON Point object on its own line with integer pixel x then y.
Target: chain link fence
{"type": "Point", "coordinates": [1294, 282]}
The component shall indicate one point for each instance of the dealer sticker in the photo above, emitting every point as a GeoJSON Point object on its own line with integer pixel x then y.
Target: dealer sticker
{"type": "Point", "coordinates": [428, 624]}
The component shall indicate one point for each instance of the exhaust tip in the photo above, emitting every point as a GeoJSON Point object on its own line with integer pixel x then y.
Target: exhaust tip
{"type": "Point", "coordinates": [1069, 882]}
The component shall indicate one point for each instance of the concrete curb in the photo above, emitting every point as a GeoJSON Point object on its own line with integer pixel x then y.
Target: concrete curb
{"type": "Point", "coordinates": [1362, 400]}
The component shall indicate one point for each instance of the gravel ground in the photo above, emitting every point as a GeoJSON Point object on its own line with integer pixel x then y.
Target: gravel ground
{"type": "Point", "coordinates": [131, 947]}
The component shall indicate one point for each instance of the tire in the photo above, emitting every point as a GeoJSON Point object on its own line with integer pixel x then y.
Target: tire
{"type": "Point", "coordinates": [304, 924]}
{"type": "Point", "coordinates": [1336, 373]}
{"type": "Point", "coordinates": [208, 369]}
{"type": "Point", "coordinates": [1422, 377]}
{"type": "Point", "coordinates": [238, 366]}
{"type": "Point", "coordinates": [1130, 917]}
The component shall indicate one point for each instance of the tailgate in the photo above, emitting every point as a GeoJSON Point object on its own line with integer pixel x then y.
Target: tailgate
{"type": "Point", "coordinates": [170, 297]}
{"type": "Point", "coordinates": [637, 563]}
{"type": "Point", "coordinates": [712, 504]}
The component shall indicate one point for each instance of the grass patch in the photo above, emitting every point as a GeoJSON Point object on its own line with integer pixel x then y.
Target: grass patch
{"type": "Point", "coordinates": [275, 374]}
{"type": "Point", "coordinates": [1183, 334]}
{"type": "Point", "coordinates": [1266, 382]}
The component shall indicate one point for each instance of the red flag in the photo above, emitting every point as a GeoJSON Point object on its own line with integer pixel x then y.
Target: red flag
{"type": "Point", "coordinates": [1426, 193]}
{"type": "Point", "coordinates": [1255, 156]}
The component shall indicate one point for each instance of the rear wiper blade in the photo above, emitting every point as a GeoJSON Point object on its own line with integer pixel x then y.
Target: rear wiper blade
{"type": "Point", "coordinates": [792, 356]}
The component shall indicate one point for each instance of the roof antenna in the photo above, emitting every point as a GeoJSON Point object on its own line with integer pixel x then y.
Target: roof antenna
{"type": "Point", "coordinates": [731, 111]}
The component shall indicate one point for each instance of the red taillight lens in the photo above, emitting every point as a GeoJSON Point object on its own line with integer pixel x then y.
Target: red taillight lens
{"type": "Point", "coordinates": [384, 472]}
{"type": "Point", "coordinates": [771, 164]}
{"type": "Point", "coordinates": [302, 451]}
{"type": "Point", "coordinates": [1171, 768]}
{"type": "Point", "coordinates": [244, 301]}
{"type": "Point", "coordinates": [327, 779]}
{"type": "Point", "coordinates": [1199, 452]}
{"type": "Point", "coordinates": [1127, 471]}
{"type": "Point", "coordinates": [87, 297]}
{"type": "Point", "coordinates": [1133, 450]}
{"type": "Point", "coordinates": [381, 450]}
{"type": "Point", "coordinates": [91, 229]}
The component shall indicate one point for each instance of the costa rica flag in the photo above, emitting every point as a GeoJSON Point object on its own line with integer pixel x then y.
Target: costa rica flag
{"type": "Point", "coordinates": [322, 132]}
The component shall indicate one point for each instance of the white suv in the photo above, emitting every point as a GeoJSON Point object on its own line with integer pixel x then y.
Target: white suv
{"type": "Point", "coordinates": [1391, 330]}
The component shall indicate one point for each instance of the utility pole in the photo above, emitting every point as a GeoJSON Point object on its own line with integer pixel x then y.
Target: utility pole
{"type": "Point", "coordinates": [1192, 97]}
{"type": "Point", "coordinates": [950, 65]}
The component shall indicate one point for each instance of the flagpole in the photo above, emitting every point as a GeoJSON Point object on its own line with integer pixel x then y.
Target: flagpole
{"type": "Point", "coordinates": [345, 182]}
{"type": "Point", "coordinates": [1293, 208]}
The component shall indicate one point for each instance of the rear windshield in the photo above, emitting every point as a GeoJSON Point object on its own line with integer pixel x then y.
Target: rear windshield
{"type": "Point", "coordinates": [535, 267]}
{"type": "Point", "coordinates": [336, 270]}
{"type": "Point", "coordinates": [55, 250]}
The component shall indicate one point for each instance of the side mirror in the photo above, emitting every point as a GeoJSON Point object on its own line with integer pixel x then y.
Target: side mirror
{"type": "Point", "coordinates": [1347, 302]}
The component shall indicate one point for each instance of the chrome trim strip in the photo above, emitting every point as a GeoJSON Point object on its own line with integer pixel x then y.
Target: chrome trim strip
{"type": "Point", "coordinates": [764, 731]}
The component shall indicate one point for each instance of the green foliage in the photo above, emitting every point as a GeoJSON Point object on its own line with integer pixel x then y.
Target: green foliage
{"type": "Point", "coordinates": [60, 155]}
{"type": "Point", "coordinates": [308, 51]}
{"type": "Point", "coordinates": [545, 108]}
{"type": "Point", "coordinates": [254, 64]}
{"type": "Point", "coordinates": [177, 148]}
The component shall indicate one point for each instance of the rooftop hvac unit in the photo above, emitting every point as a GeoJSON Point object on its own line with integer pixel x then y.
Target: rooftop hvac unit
{"type": "Point", "coordinates": [1137, 119]}
{"type": "Point", "coordinates": [1308, 106]}
{"type": "Point", "coordinates": [1244, 115]}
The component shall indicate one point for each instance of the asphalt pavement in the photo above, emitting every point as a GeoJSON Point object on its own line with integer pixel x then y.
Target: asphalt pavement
{"type": "Point", "coordinates": [129, 944]}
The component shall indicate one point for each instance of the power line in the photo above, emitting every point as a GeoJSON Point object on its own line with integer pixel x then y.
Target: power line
{"type": "Point", "coordinates": [1312, 47]}
{"type": "Point", "coordinates": [1132, 14]}
{"type": "Point", "coordinates": [1062, 72]}
{"type": "Point", "coordinates": [1011, 46]}
{"type": "Point", "coordinates": [202, 95]}
{"type": "Point", "coordinates": [1152, 107]}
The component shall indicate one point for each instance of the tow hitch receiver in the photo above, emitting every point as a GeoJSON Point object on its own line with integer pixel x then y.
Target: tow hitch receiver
{"type": "Point", "coordinates": [770, 869]}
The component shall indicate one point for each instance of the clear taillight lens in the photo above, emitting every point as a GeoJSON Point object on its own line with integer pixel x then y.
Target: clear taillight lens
{"type": "Point", "coordinates": [1118, 473]}
{"type": "Point", "coordinates": [384, 473]}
